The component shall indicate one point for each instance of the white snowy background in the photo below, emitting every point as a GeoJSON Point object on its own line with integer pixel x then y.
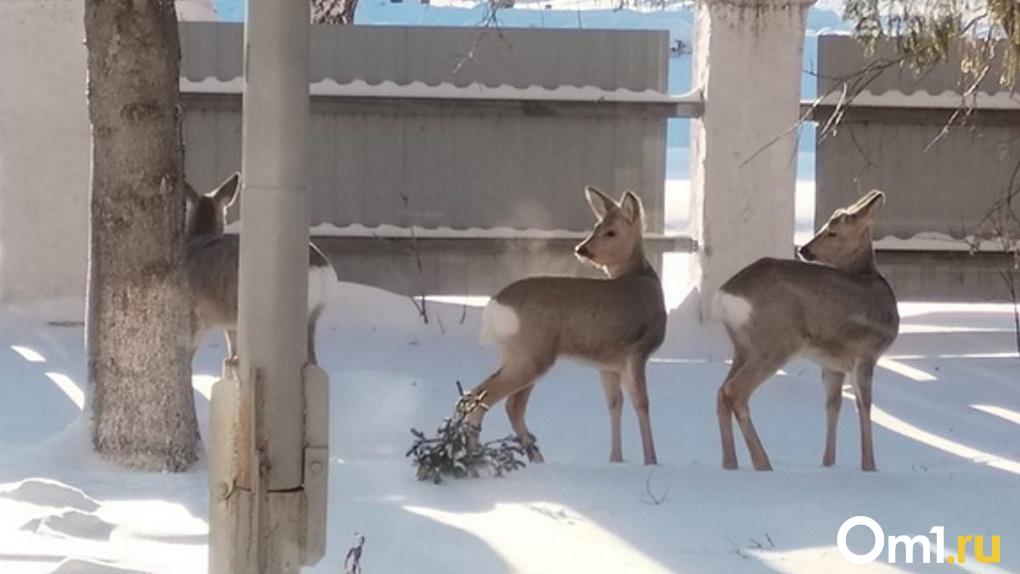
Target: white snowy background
{"type": "Point", "coordinates": [947, 417]}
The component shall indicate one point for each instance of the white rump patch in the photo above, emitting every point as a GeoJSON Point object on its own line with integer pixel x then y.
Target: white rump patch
{"type": "Point", "coordinates": [499, 322]}
{"type": "Point", "coordinates": [733, 310]}
{"type": "Point", "coordinates": [319, 281]}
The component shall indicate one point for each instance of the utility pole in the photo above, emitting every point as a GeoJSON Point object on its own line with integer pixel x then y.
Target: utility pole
{"type": "Point", "coordinates": [269, 457]}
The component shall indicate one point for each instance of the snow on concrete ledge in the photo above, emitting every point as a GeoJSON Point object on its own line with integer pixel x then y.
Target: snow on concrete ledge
{"type": "Point", "coordinates": [921, 99]}
{"type": "Point", "coordinates": [447, 91]}
{"type": "Point", "coordinates": [933, 241]}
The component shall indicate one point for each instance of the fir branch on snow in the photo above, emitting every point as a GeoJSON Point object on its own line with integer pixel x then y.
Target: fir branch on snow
{"type": "Point", "coordinates": [456, 451]}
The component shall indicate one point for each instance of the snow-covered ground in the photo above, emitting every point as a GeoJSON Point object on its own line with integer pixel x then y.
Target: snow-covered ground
{"type": "Point", "coordinates": [947, 441]}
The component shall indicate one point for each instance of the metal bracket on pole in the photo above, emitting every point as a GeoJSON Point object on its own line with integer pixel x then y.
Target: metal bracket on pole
{"type": "Point", "coordinates": [233, 474]}
{"type": "Point", "coordinates": [316, 467]}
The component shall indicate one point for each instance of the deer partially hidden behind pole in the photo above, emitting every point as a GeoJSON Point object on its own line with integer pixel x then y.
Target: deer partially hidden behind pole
{"type": "Point", "coordinates": [613, 323]}
{"type": "Point", "coordinates": [211, 260]}
{"type": "Point", "coordinates": [834, 308]}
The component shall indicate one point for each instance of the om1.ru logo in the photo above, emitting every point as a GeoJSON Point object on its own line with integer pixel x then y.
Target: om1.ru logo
{"type": "Point", "coordinates": [911, 544]}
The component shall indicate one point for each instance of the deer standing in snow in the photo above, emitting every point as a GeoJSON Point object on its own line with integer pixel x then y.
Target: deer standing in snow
{"type": "Point", "coordinates": [613, 323]}
{"type": "Point", "coordinates": [834, 308]}
{"type": "Point", "coordinates": [211, 261]}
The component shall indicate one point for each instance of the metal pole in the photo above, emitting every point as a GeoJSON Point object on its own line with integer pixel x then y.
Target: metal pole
{"type": "Point", "coordinates": [273, 298]}
{"type": "Point", "coordinates": [266, 518]}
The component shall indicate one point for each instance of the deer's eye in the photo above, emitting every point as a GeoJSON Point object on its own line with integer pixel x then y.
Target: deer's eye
{"type": "Point", "coordinates": [610, 234]}
{"type": "Point", "coordinates": [831, 234]}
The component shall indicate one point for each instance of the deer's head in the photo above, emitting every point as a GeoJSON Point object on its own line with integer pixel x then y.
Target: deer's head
{"type": "Point", "coordinates": [207, 213]}
{"type": "Point", "coordinates": [845, 239]}
{"type": "Point", "coordinates": [617, 233]}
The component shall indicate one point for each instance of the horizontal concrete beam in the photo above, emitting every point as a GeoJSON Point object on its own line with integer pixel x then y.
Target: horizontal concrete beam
{"type": "Point", "coordinates": [910, 115]}
{"type": "Point", "coordinates": [680, 108]}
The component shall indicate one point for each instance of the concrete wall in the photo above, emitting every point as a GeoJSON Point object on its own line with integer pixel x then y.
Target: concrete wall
{"type": "Point", "coordinates": [44, 150]}
{"type": "Point", "coordinates": [947, 276]}
{"type": "Point", "coordinates": [464, 266]}
{"type": "Point", "coordinates": [936, 181]}
{"type": "Point", "coordinates": [481, 164]}
{"type": "Point", "coordinates": [453, 163]}
{"type": "Point", "coordinates": [632, 59]}
{"type": "Point", "coordinates": [947, 186]}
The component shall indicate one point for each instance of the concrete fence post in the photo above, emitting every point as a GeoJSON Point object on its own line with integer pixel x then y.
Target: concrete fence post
{"type": "Point", "coordinates": [747, 63]}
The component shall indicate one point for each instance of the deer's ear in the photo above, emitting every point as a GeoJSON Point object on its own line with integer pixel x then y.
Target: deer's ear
{"type": "Point", "coordinates": [868, 205]}
{"type": "Point", "coordinates": [630, 205]}
{"type": "Point", "coordinates": [600, 203]}
{"type": "Point", "coordinates": [226, 193]}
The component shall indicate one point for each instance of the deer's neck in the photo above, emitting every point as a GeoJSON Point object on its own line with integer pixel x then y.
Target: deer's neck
{"type": "Point", "coordinates": [863, 262]}
{"type": "Point", "coordinates": [636, 264]}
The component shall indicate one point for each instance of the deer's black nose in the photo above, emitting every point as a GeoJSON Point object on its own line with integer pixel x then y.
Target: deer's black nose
{"type": "Point", "coordinates": [582, 251]}
{"type": "Point", "coordinates": [805, 254]}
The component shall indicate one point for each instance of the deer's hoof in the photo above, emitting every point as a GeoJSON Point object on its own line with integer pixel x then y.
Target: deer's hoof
{"type": "Point", "coordinates": [729, 464]}
{"type": "Point", "coordinates": [532, 450]}
{"type": "Point", "coordinates": [869, 467]}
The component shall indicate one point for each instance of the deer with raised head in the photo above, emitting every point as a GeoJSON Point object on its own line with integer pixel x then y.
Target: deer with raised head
{"type": "Point", "coordinates": [834, 308]}
{"type": "Point", "coordinates": [614, 323]}
{"type": "Point", "coordinates": [211, 261]}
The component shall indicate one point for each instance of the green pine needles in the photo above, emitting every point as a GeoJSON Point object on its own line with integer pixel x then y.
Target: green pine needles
{"type": "Point", "coordinates": [456, 451]}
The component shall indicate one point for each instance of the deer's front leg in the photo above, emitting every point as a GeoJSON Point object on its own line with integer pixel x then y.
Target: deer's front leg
{"type": "Point", "coordinates": [634, 381]}
{"type": "Point", "coordinates": [614, 400]}
{"type": "Point", "coordinates": [231, 336]}
{"type": "Point", "coordinates": [833, 381]}
{"type": "Point", "coordinates": [863, 373]}
{"type": "Point", "coordinates": [516, 405]}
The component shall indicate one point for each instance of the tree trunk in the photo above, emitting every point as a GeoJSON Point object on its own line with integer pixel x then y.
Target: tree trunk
{"type": "Point", "coordinates": [138, 319]}
{"type": "Point", "coordinates": [333, 11]}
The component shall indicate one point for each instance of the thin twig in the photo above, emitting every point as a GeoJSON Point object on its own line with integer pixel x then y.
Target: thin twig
{"type": "Point", "coordinates": [650, 497]}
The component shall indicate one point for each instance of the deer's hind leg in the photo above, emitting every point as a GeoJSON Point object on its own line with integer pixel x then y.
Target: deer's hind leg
{"type": "Point", "coordinates": [230, 335]}
{"type": "Point", "coordinates": [313, 320]}
{"type": "Point", "coordinates": [736, 393]}
{"type": "Point", "coordinates": [516, 374]}
{"type": "Point", "coordinates": [724, 411]}
{"type": "Point", "coordinates": [516, 404]}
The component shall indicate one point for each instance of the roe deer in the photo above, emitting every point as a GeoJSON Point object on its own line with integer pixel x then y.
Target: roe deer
{"type": "Point", "coordinates": [211, 260]}
{"type": "Point", "coordinates": [834, 308]}
{"type": "Point", "coordinates": [614, 323]}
